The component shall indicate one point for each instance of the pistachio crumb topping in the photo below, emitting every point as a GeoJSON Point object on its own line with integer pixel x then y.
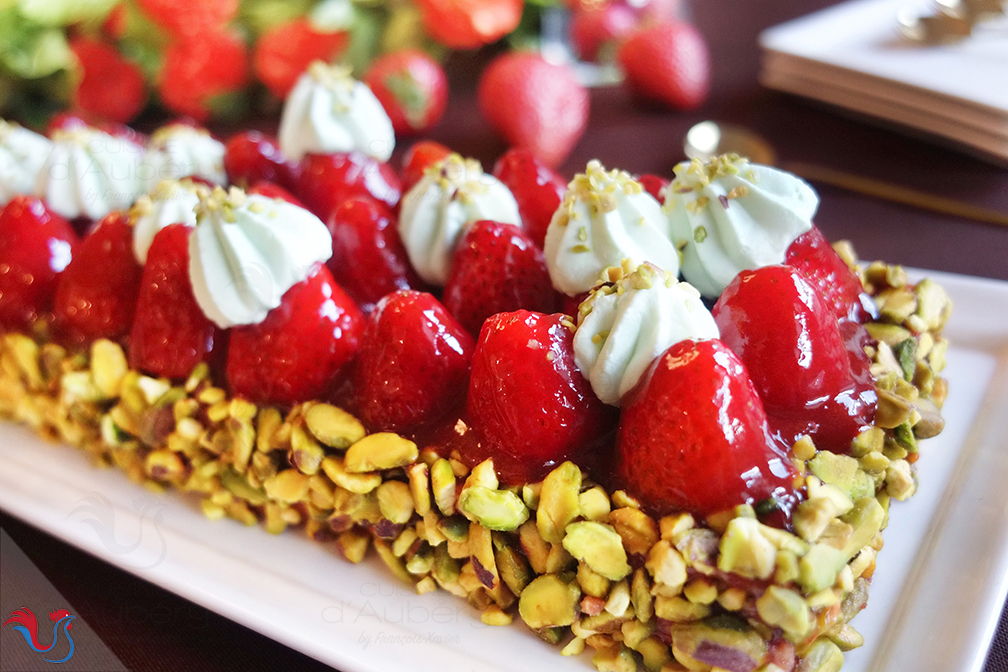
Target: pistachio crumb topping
{"type": "Point", "coordinates": [161, 136]}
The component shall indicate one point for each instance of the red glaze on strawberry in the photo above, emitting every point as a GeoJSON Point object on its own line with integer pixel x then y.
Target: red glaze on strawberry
{"type": "Point", "coordinates": [329, 179]}
{"type": "Point", "coordinates": [528, 400]}
{"type": "Point", "coordinates": [271, 190]}
{"type": "Point", "coordinates": [693, 436]}
{"type": "Point", "coordinates": [569, 305]}
{"type": "Point", "coordinates": [299, 350]}
{"type": "Point", "coordinates": [790, 342]}
{"type": "Point", "coordinates": [418, 158]}
{"type": "Point", "coordinates": [413, 365]}
{"type": "Point", "coordinates": [653, 184]}
{"type": "Point", "coordinates": [812, 254]}
{"type": "Point", "coordinates": [537, 189]}
{"type": "Point", "coordinates": [251, 157]}
{"type": "Point", "coordinates": [96, 294]}
{"type": "Point", "coordinates": [170, 333]}
{"type": "Point", "coordinates": [35, 246]}
{"type": "Point", "coordinates": [497, 268]}
{"type": "Point", "coordinates": [412, 88]}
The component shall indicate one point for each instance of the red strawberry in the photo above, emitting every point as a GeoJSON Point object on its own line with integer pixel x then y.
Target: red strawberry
{"type": "Point", "coordinates": [600, 25]}
{"type": "Point", "coordinates": [534, 104]}
{"type": "Point", "coordinates": [413, 365]}
{"type": "Point", "coordinates": [468, 24]}
{"type": "Point", "coordinates": [528, 399]}
{"type": "Point", "coordinates": [188, 17]}
{"type": "Point", "coordinates": [497, 268]}
{"type": "Point", "coordinates": [412, 88]}
{"type": "Point", "coordinates": [170, 333]}
{"type": "Point", "coordinates": [299, 350]}
{"type": "Point", "coordinates": [537, 189]}
{"type": "Point", "coordinates": [653, 184]}
{"type": "Point", "coordinates": [203, 73]}
{"type": "Point", "coordinates": [271, 190]}
{"type": "Point", "coordinates": [418, 158]}
{"type": "Point", "coordinates": [96, 294]}
{"type": "Point", "coordinates": [668, 62]}
{"type": "Point", "coordinates": [35, 246]}
{"type": "Point", "coordinates": [285, 51]}
{"type": "Point", "coordinates": [111, 87]}
{"type": "Point", "coordinates": [792, 347]}
{"type": "Point", "coordinates": [812, 254]}
{"type": "Point", "coordinates": [251, 157]}
{"type": "Point", "coordinates": [368, 260]}
{"type": "Point", "coordinates": [329, 179]}
{"type": "Point", "coordinates": [693, 435]}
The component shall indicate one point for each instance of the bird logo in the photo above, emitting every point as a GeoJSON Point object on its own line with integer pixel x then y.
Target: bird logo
{"type": "Point", "coordinates": [23, 620]}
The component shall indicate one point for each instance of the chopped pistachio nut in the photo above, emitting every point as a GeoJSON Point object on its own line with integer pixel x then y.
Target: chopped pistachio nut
{"type": "Point", "coordinates": [559, 502]}
{"type": "Point", "coordinates": [599, 546]}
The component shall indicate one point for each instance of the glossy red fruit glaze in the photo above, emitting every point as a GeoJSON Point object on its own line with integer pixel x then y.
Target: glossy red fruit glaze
{"type": "Point", "coordinates": [170, 333]}
{"type": "Point", "coordinates": [111, 87]}
{"type": "Point", "coordinates": [417, 159]}
{"type": "Point", "coordinates": [251, 157]}
{"type": "Point", "coordinates": [413, 365]}
{"type": "Point", "coordinates": [271, 190]}
{"type": "Point", "coordinates": [527, 398]}
{"type": "Point", "coordinates": [368, 259]}
{"type": "Point", "coordinates": [668, 62]}
{"type": "Point", "coordinates": [327, 180]}
{"type": "Point", "coordinates": [286, 50]}
{"type": "Point", "coordinates": [693, 435]}
{"type": "Point", "coordinates": [812, 254]}
{"type": "Point", "coordinates": [497, 268]}
{"type": "Point", "coordinates": [412, 88]}
{"type": "Point", "coordinates": [597, 25]}
{"type": "Point", "coordinates": [96, 294]}
{"type": "Point", "coordinates": [299, 350]}
{"type": "Point", "coordinates": [536, 187]}
{"type": "Point", "coordinates": [653, 184]}
{"type": "Point", "coordinates": [35, 246]}
{"type": "Point", "coordinates": [569, 304]}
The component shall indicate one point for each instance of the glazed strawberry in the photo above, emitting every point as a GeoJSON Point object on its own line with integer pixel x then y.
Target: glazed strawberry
{"type": "Point", "coordinates": [271, 190]}
{"type": "Point", "coordinates": [598, 26]}
{"type": "Point", "coordinates": [534, 104]}
{"type": "Point", "coordinates": [35, 246]}
{"type": "Point", "coordinates": [186, 17]}
{"type": "Point", "coordinates": [418, 158]}
{"type": "Point", "coordinates": [668, 62]}
{"type": "Point", "coordinates": [413, 365]}
{"type": "Point", "coordinates": [96, 294]}
{"type": "Point", "coordinates": [653, 184]}
{"type": "Point", "coordinates": [111, 86]}
{"type": "Point", "coordinates": [329, 179]}
{"type": "Point", "coordinates": [299, 350]}
{"type": "Point", "coordinates": [468, 24]}
{"type": "Point", "coordinates": [537, 189]}
{"type": "Point", "coordinates": [812, 254]}
{"type": "Point", "coordinates": [251, 157]}
{"type": "Point", "coordinates": [283, 52]}
{"type": "Point", "coordinates": [693, 435]}
{"type": "Point", "coordinates": [412, 88]}
{"type": "Point", "coordinates": [368, 260]}
{"type": "Point", "coordinates": [170, 333]}
{"type": "Point", "coordinates": [203, 73]}
{"type": "Point", "coordinates": [528, 399]}
{"type": "Point", "coordinates": [497, 268]}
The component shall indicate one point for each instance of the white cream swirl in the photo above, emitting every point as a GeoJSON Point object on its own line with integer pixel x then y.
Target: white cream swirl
{"type": "Point", "coordinates": [171, 202]}
{"type": "Point", "coordinates": [179, 150]}
{"type": "Point", "coordinates": [22, 155]}
{"type": "Point", "coordinates": [728, 215]}
{"type": "Point", "coordinates": [90, 173]}
{"type": "Point", "coordinates": [623, 327]}
{"type": "Point", "coordinates": [605, 217]}
{"type": "Point", "coordinates": [247, 251]}
{"type": "Point", "coordinates": [329, 111]}
{"type": "Point", "coordinates": [452, 194]}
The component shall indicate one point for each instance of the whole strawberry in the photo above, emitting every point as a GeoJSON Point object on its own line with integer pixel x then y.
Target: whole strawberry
{"type": "Point", "coordinates": [668, 62]}
{"type": "Point", "coordinates": [596, 27]}
{"type": "Point", "coordinates": [111, 88]}
{"type": "Point", "coordinates": [285, 51]}
{"type": "Point", "coordinates": [413, 365]}
{"type": "Point", "coordinates": [537, 189]}
{"type": "Point", "coordinates": [35, 246]}
{"type": "Point", "coordinates": [534, 104]}
{"type": "Point", "coordinates": [327, 180]}
{"type": "Point", "coordinates": [812, 254]}
{"type": "Point", "coordinates": [497, 268]}
{"type": "Point", "coordinates": [203, 73]}
{"type": "Point", "coordinates": [420, 156]}
{"type": "Point", "coordinates": [251, 157]}
{"type": "Point", "coordinates": [412, 88]}
{"type": "Point", "coordinates": [468, 24]}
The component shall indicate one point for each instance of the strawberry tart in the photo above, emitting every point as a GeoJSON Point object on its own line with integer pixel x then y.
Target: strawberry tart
{"type": "Point", "coordinates": [663, 420]}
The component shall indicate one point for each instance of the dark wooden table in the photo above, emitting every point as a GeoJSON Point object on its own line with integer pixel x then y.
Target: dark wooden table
{"type": "Point", "coordinates": [150, 629]}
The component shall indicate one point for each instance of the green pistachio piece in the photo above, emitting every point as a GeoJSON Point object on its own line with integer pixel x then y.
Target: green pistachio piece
{"type": "Point", "coordinates": [548, 602]}
{"type": "Point", "coordinates": [785, 609]}
{"type": "Point", "coordinates": [500, 510]}
{"type": "Point", "coordinates": [599, 546]}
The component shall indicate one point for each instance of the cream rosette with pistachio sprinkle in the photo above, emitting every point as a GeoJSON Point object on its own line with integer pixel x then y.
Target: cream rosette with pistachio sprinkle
{"type": "Point", "coordinates": [22, 154]}
{"type": "Point", "coordinates": [171, 202]}
{"type": "Point", "coordinates": [329, 111]}
{"type": "Point", "coordinates": [624, 325]}
{"type": "Point", "coordinates": [728, 215]}
{"type": "Point", "coordinates": [453, 194]}
{"type": "Point", "coordinates": [179, 150]}
{"type": "Point", "coordinates": [247, 251]}
{"type": "Point", "coordinates": [605, 217]}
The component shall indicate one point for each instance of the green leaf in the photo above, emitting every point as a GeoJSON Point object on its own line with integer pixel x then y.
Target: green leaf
{"type": "Point", "coordinates": [64, 12]}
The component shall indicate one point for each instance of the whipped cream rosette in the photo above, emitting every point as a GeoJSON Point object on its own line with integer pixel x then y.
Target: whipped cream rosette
{"type": "Point", "coordinates": [171, 202]}
{"type": "Point", "coordinates": [247, 251]}
{"type": "Point", "coordinates": [22, 155]}
{"type": "Point", "coordinates": [624, 326]}
{"type": "Point", "coordinates": [180, 150]}
{"type": "Point", "coordinates": [452, 194]}
{"type": "Point", "coordinates": [90, 173]}
{"type": "Point", "coordinates": [728, 215]}
{"type": "Point", "coordinates": [329, 111]}
{"type": "Point", "coordinates": [605, 217]}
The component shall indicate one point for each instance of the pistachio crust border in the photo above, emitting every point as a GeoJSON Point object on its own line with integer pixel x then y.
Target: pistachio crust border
{"type": "Point", "coordinates": [579, 565]}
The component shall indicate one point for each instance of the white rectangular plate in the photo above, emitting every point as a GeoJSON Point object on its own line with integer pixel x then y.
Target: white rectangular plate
{"type": "Point", "coordinates": [935, 599]}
